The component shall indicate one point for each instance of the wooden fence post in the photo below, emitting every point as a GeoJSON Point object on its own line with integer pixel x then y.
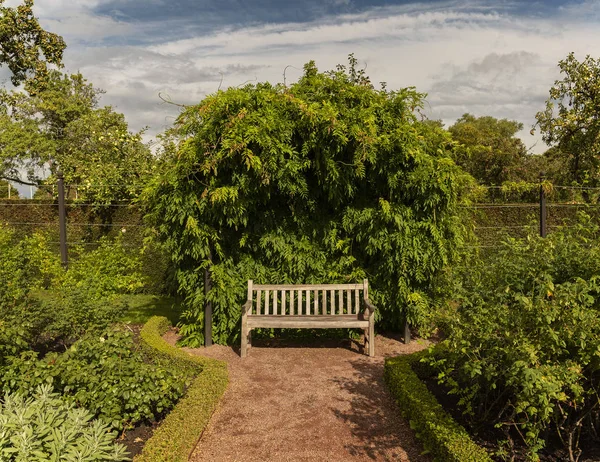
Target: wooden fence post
{"type": "Point", "coordinates": [62, 220]}
{"type": "Point", "coordinates": [207, 305]}
{"type": "Point", "coordinates": [543, 227]}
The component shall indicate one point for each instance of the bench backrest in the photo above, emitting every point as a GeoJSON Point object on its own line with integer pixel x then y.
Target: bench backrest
{"type": "Point", "coordinates": [306, 299]}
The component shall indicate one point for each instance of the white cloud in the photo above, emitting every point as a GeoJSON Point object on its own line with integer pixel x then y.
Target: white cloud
{"type": "Point", "coordinates": [468, 57]}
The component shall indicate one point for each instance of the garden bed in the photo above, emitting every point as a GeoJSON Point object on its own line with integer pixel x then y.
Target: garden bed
{"type": "Point", "coordinates": [435, 417]}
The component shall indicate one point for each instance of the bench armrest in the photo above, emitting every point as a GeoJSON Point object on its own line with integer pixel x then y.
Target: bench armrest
{"type": "Point", "coordinates": [247, 307]}
{"type": "Point", "coordinates": [372, 308]}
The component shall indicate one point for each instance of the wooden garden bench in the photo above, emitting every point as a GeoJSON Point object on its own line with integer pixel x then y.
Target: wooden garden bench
{"type": "Point", "coordinates": [311, 306]}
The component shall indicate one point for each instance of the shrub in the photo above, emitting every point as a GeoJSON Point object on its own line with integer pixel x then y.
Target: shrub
{"type": "Point", "coordinates": [44, 427]}
{"type": "Point", "coordinates": [523, 346]}
{"type": "Point", "coordinates": [107, 270]}
{"type": "Point", "coordinates": [106, 374]}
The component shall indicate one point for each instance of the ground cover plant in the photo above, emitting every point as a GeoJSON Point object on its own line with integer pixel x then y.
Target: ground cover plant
{"type": "Point", "coordinates": [523, 343]}
{"type": "Point", "coordinates": [327, 180]}
{"type": "Point", "coordinates": [44, 427]}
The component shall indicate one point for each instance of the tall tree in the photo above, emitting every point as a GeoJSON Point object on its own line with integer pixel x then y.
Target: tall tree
{"type": "Point", "coordinates": [571, 119]}
{"type": "Point", "coordinates": [63, 127]}
{"type": "Point", "coordinates": [488, 148]}
{"type": "Point", "coordinates": [25, 47]}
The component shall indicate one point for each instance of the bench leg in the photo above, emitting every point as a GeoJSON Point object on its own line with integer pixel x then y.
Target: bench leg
{"type": "Point", "coordinates": [371, 336]}
{"type": "Point", "coordinates": [245, 335]}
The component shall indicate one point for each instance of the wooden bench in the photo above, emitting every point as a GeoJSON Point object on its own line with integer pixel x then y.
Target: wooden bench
{"type": "Point", "coordinates": [311, 306]}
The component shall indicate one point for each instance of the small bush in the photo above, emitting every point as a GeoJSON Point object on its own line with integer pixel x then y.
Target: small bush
{"type": "Point", "coordinates": [45, 428]}
{"type": "Point", "coordinates": [106, 374]}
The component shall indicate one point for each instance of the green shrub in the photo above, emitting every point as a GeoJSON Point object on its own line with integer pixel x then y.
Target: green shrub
{"type": "Point", "coordinates": [440, 434]}
{"type": "Point", "coordinates": [106, 374]}
{"type": "Point", "coordinates": [178, 434]}
{"type": "Point", "coordinates": [523, 346]}
{"type": "Point", "coordinates": [44, 428]}
{"type": "Point", "coordinates": [107, 270]}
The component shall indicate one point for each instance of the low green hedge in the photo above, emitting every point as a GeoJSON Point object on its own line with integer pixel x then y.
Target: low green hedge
{"type": "Point", "coordinates": [446, 440]}
{"type": "Point", "coordinates": [178, 434]}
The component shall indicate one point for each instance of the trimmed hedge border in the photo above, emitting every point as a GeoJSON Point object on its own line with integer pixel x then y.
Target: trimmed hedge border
{"type": "Point", "coordinates": [177, 436]}
{"type": "Point", "coordinates": [441, 436]}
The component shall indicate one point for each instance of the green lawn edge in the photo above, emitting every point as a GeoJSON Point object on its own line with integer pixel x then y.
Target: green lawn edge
{"type": "Point", "coordinates": [442, 437]}
{"type": "Point", "coordinates": [176, 437]}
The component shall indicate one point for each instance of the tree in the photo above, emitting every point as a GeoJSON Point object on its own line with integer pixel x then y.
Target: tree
{"type": "Point", "coordinates": [328, 180]}
{"type": "Point", "coordinates": [571, 120]}
{"type": "Point", "coordinates": [488, 148]}
{"type": "Point", "coordinates": [62, 127]}
{"type": "Point", "coordinates": [25, 47]}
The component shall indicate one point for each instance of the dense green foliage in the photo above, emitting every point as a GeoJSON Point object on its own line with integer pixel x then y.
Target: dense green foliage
{"type": "Point", "coordinates": [329, 180]}
{"type": "Point", "coordinates": [25, 47]}
{"type": "Point", "coordinates": [571, 120]}
{"type": "Point", "coordinates": [63, 127]}
{"type": "Point", "coordinates": [523, 347]}
{"type": "Point", "coordinates": [44, 428]}
{"type": "Point", "coordinates": [105, 374]}
{"type": "Point", "coordinates": [82, 299]}
{"type": "Point", "coordinates": [178, 434]}
{"type": "Point", "coordinates": [65, 339]}
{"type": "Point", "coordinates": [442, 437]}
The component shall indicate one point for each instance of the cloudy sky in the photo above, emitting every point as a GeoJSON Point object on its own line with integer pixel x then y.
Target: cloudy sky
{"type": "Point", "coordinates": [484, 57]}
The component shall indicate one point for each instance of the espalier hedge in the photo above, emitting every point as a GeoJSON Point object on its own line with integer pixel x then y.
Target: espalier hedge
{"type": "Point", "coordinates": [178, 434]}
{"type": "Point", "coordinates": [446, 440]}
{"type": "Point", "coordinates": [327, 180]}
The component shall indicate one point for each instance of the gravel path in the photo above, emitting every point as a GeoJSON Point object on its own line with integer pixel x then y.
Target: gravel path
{"type": "Point", "coordinates": [323, 401]}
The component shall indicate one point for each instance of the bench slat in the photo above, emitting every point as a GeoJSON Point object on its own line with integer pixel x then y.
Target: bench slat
{"type": "Point", "coordinates": [355, 310]}
{"type": "Point", "coordinates": [258, 302]}
{"type": "Point", "coordinates": [283, 307]}
{"type": "Point", "coordinates": [267, 307]}
{"type": "Point", "coordinates": [348, 303]}
{"type": "Point", "coordinates": [312, 322]}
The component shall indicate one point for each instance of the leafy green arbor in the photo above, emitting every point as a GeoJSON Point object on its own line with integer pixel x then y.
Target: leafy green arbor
{"type": "Point", "coordinates": [328, 180]}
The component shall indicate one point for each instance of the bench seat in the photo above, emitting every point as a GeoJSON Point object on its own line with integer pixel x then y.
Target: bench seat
{"type": "Point", "coordinates": [344, 321]}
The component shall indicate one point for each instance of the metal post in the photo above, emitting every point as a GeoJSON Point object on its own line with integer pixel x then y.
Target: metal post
{"type": "Point", "coordinates": [542, 206]}
{"type": "Point", "coordinates": [406, 333]}
{"type": "Point", "coordinates": [9, 190]}
{"type": "Point", "coordinates": [207, 306]}
{"type": "Point", "coordinates": [62, 220]}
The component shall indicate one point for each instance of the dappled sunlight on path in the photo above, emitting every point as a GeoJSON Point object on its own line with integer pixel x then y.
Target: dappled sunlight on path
{"type": "Point", "coordinates": [321, 401]}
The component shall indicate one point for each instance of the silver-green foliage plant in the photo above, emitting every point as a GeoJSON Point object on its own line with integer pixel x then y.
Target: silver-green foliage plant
{"type": "Point", "coordinates": [45, 428]}
{"type": "Point", "coordinates": [327, 180]}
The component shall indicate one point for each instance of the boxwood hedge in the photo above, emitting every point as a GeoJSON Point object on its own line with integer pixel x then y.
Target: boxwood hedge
{"type": "Point", "coordinates": [441, 436]}
{"type": "Point", "coordinates": [178, 434]}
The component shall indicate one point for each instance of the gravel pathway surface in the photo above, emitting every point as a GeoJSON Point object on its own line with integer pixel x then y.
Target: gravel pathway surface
{"type": "Point", "coordinates": [318, 401]}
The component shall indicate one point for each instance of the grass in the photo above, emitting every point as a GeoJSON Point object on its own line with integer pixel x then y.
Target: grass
{"type": "Point", "coordinates": [140, 307]}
